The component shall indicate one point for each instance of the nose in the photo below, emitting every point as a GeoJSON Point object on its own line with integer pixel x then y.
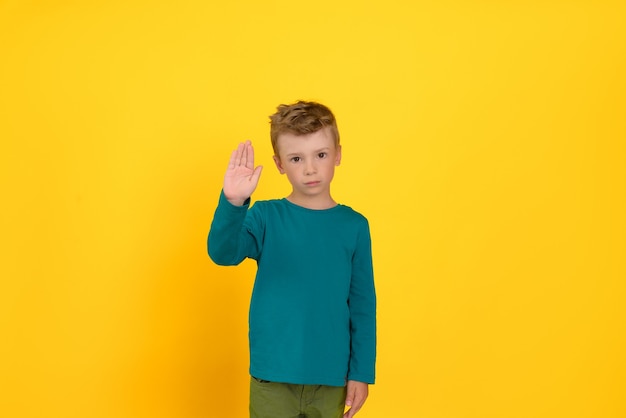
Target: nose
{"type": "Point", "coordinates": [310, 168]}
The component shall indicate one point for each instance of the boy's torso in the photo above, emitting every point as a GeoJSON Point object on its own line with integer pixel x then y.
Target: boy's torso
{"type": "Point", "coordinates": [299, 314]}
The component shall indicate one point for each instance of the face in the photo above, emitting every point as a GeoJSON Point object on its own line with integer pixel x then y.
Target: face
{"type": "Point", "coordinates": [309, 162]}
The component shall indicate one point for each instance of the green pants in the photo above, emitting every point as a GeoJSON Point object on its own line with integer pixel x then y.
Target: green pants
{"type": "Point", "coordinates": [284, 400]}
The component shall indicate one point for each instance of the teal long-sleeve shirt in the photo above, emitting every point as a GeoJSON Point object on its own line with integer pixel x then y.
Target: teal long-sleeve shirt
{"type": "Point", "coordinates": [312, 316]}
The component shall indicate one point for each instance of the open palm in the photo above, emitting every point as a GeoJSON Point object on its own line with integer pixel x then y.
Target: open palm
{"type": "Point", "coordinates": [241, 176]}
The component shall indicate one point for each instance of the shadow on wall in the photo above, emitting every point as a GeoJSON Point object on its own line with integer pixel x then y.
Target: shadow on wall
{"type": "Point", "coordinates": [194, 359]}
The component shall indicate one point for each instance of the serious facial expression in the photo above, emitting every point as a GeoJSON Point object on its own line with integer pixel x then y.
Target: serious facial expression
{"type": "Point", "coordinates": [309, 162]}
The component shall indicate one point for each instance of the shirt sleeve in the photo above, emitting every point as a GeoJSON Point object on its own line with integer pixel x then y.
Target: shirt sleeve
{"type": "Point", "coordinates": [235, 233]}
{"type": "Point", "coordinates": [362, 303]}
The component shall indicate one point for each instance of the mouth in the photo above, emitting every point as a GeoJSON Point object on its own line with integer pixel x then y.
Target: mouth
{"type": "Point", "coordinates": [312, 183]}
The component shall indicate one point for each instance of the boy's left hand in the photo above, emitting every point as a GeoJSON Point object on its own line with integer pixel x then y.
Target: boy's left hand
{"type": "Point", "coordinates": [355, 397]}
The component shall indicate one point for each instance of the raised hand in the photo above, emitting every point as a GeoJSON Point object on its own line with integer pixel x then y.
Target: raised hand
{"type": "Point", "coordinates": [241, 176]}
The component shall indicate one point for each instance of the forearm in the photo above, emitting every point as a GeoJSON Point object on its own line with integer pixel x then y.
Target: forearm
{"type": "Point", "coordinates": [362, 366]}
{"type": "Point", "coordinates": [362, 305]}
{"type": "Point", "coordinates": [224, 243]}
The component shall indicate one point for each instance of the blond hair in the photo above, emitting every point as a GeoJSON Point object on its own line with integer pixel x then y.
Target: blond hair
{"type": "Point", "coordinates": [301, 118]}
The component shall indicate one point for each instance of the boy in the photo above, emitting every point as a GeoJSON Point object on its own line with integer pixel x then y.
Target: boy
{"type": "Point", "coordinates": [313, 310]}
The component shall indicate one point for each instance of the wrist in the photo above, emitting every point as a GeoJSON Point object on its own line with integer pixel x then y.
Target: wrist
{"type": "Point", "coordinates": [236, 202]}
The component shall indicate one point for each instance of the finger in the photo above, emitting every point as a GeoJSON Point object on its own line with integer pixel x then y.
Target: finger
{"type": "Point", "coordinates": [350, 395]}
{"type": "Point", "coordinates": [231, 162]}
{"type": "Point", "coordinates": [250, 161]}
{"type": "Point", "coordinates": [239, 155]}
{"type": "Point", "coordinates": [352, 412]}
{"type": "Point", "coordinates": [356, 406]}
{"type": "Point", "coordinates": [244, 155]}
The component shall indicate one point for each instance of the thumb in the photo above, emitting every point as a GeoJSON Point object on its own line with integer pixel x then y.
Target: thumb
{"type": "Point", "coordinates": [350, 397]}
{"type": "Point", "coordinates": [256, 174]}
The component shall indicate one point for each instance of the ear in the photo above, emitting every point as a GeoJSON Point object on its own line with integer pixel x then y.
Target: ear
{"type": "Point", "coordinates": [338, 156]}
{"type": "Point", "coordinates": [279, 165]}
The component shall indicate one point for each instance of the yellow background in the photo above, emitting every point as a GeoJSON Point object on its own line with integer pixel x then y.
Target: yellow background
{"type": "Point", "coordinates": [484, 140]}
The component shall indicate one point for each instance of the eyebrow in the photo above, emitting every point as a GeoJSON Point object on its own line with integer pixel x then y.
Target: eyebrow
{"type": "Point", "coordinates": [314, 152]}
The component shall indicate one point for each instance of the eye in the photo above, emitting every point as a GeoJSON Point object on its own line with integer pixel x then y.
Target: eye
{"type": "Point", "coordinates": [322, 155]}
{"type": "Point", "coordinates": [295, 159]}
